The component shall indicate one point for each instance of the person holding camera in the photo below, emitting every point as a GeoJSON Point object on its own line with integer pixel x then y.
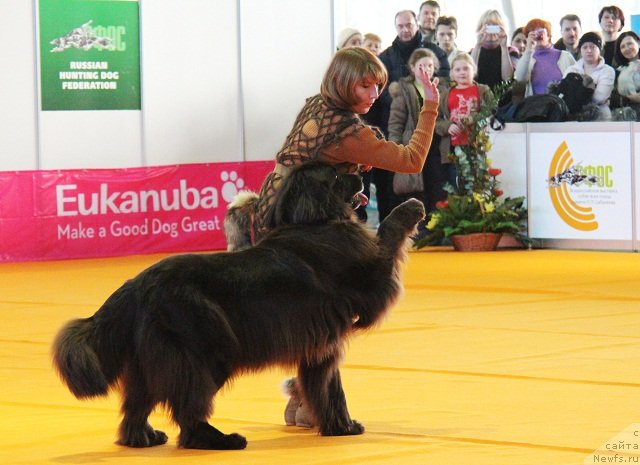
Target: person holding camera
{"type": "Point", "coordinates": [541, 63]}
{"type": "Point", "coordinates": [491, 52]}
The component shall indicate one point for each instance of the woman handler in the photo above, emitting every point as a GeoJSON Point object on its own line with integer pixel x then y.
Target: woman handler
{"type": "Point", "coordinates": [329, 129]}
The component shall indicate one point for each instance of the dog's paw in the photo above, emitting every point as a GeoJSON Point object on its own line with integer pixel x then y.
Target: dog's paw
{"type": "Point", "coordinates": [205, 436]}
{"type": "Point", "coordinates": [415, 208]}
{"type": "Point", "coordinates": [409, 213]}
{"type": "Point", "coordinates": [354, 427]}
{"type": "Point", "coordinates": [233, 441]}
{"type": "Point", "coordinates": [149, 437]}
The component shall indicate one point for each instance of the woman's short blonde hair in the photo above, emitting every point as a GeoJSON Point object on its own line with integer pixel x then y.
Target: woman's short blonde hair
{"type": "Point", "coordinates": [348, 67]}
{"type": "Point", "coordinates": [490, 17]}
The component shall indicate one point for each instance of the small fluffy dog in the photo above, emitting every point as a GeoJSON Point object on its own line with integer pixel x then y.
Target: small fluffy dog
{"type": "Point", "coordinates": [184, 327]}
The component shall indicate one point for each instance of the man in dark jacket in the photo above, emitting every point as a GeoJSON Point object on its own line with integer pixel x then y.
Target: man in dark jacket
{"type": "Point", "coordinates": [409, 38]}
{"type": "Point", "coordinates": [428, 15]}
{"type": "Point", "coordinates": [395, 59]}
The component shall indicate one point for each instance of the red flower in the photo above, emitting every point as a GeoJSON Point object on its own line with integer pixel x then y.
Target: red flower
{"type": "Point", "coordinates": [442, 204]}
{"type": "Point", "coordinates": [498, 192]}
{"type": "Point", "coordinates": [494, 171]}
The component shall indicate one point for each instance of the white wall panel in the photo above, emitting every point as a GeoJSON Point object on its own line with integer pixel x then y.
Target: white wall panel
{"type": "Point", "coordinates": [90, 139]}
{"type": "Point", "coordinates": [190, 81]}
{"type": "Point", "coordinates": [286, 47]}
{"type": "Point", "coordinates": [509, 153]}
{"type": "Point", "coordinates": [18, 143]}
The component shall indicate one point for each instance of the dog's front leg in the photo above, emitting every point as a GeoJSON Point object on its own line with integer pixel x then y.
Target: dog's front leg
{"type": "Point", "coordinates": [322, 392]}
{"type": "Point", "coordinates": [399, 224]}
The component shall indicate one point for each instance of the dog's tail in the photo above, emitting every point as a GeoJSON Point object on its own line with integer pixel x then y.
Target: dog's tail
{"type": "Point", "coordinates": [77, 362]}
{"type": "Point", "coordinates": [89, 353]}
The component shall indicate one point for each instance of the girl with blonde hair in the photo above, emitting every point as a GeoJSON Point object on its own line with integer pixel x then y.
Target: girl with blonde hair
{"type": "Point", "coordinates": [457, 106]}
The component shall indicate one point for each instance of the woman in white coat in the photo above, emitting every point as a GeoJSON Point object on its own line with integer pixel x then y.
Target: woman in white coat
{"type": "Point", "coordinates": [592, 64]}
{"type": "Point", "coordinates": [627, 57]}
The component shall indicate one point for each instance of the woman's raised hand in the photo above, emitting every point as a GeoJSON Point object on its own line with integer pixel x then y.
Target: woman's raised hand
{"type": "Point", "coordinates": [430, 87]}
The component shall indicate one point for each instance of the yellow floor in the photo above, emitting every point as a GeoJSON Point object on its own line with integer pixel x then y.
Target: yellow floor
{"type": "Point", "coordinates": [509, 357]}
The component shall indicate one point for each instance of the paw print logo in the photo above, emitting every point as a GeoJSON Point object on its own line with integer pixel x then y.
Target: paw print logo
{"type": "Point", "coordinates": [232, 185]}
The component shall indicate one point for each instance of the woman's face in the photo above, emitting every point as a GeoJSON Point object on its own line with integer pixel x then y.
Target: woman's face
{"type": "Point", "coordinates": [367, 92]}
{"type": "Point", "coordinates": [629, 48]}
{"type": "Point", "coordinates": [354, 41]}
{"type": "Point", "coordinates": [590, 53]}
{"type": "Point", "coordinates": [610, 24]}
{"type": "Point", "coordinates": [425, 63]}
{"type": "Point", "coordinates": [520, 42]}
{"type": "Point", "coordinates": [462, 73]}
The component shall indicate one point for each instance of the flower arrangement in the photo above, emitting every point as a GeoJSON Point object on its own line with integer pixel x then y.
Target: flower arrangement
{"type": "Point", "coordinates": [475, 204]}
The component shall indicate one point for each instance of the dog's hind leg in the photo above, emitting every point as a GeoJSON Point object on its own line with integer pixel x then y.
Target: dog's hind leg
{"type": "Point", "coordinates": [322, 391]}
{"type": "Point", "coordinates": [192, 407]}
{"type": "Point", "coordinates": [138, 403]}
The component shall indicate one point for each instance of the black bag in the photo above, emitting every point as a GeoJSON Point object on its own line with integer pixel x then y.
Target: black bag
{"type": "Point", "coordinates": [507, 105]}
{"type": "Point", "coordinates": [575, 89]}
{"type": "Point", "coordinates": [505, 112]}
{"type": "Point", "coordinates": [541, 108]}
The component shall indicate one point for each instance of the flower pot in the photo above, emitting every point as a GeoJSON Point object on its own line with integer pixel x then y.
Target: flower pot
{"type": "Point", "coordinates": [508, 241]}
{"type": "Point", "coordinates": [476, 242]}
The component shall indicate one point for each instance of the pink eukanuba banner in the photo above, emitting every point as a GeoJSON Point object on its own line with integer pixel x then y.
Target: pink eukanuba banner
{"type": "Point", "coordinates": [64, 214]}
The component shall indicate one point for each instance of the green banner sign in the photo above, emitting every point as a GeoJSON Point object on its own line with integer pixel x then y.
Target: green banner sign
{"type": "Point", "coordinates": [89, 54]}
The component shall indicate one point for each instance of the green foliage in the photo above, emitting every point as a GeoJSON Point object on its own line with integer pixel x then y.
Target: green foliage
{"type": "Point", "coordinates": [474, 204]}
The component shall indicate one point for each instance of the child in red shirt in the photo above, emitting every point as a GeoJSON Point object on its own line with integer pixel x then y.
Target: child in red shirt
{"type": "Point", "coordinates": [457, 107]}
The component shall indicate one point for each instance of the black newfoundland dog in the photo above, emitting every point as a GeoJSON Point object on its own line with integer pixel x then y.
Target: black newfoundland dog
{"type": "Point", "coordinates": [181, 329]}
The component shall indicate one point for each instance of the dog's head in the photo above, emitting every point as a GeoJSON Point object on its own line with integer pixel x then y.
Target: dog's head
{"type": "Point", "coordinates": [314, 193]}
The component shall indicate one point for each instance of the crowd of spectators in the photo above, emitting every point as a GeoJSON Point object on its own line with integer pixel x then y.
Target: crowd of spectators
{"type": "Point", "coordinates": [528, 55]}
{"type": "Point", "coordinates": [527, 59]}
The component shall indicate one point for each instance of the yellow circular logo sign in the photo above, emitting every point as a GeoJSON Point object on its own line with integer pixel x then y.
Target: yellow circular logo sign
{"type": "Point", "coordinates": [562, 174]}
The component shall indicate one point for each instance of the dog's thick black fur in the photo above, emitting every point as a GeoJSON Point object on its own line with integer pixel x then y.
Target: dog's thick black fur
{"type": "Point", "coordinates": [181, 329]}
